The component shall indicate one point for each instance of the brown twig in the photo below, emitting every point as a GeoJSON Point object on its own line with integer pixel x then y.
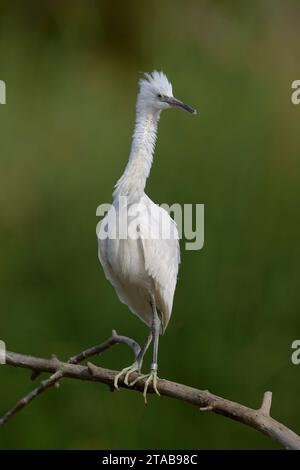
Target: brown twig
{"type": "Point", "coordinates": [259, 419]}
{"type": "Point", "coordinates": [60, 370]}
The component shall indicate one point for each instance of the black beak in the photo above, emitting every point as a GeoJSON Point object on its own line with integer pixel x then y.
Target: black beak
{"type": "Point", "coordinates": [174, 102]}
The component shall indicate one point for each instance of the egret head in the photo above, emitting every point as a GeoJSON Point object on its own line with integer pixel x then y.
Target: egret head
{"type": "Point", "coordinates": [156, 94]}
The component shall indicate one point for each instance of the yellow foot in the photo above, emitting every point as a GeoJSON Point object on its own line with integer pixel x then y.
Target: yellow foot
{"type": "Point", "coordinates": [127, 371]}
{"type": "Point", "coordinates": [150, 378]}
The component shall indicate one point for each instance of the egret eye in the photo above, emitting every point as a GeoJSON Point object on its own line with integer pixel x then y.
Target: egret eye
{"type": "Point", "coordinates": [159, 95]}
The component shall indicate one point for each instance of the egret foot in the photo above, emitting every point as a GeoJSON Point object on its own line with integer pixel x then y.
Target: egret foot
{"type": "Point", "coordinates": [150, 378]}
{"type": "Point", "coordinates": [135, 367]}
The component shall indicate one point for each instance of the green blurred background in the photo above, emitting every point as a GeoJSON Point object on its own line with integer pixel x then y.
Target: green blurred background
{"type": "Point", "coordinates": [71, 70]}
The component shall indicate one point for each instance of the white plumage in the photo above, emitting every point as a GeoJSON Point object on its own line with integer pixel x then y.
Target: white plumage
{"type": "Point", "coordinates": [140, 256]}
{"type": "Point", "coordinates": [137, 268]}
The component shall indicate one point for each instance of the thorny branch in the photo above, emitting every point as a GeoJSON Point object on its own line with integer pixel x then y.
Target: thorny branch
{"type": "Point", "coordinates": [259, 419]}
{"type": "Point", "coordinates": [59, 372]}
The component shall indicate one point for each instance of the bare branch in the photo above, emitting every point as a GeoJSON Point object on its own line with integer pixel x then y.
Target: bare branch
{"type": "Point", "coordinates": [258, 419]}
{"type": "Point", "coordinates": [59, 373]}
{"type": "Point", "coordinates": [44, 385]}
{"type": "Point", "coordinates": [266, 404]}
{"type": "Point", "coordinates": [96, 350]}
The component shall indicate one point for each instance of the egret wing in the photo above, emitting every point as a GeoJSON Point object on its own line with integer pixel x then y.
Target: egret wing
{"type": "Point", "coordinates": [159, 236]}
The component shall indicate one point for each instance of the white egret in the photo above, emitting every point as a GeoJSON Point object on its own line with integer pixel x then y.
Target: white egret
{"type": "Point", "coordinates": [143, 267]}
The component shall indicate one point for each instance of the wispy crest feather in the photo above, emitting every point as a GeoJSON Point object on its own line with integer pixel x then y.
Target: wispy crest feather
{"type": "Point", "coordinates": [158, 81]}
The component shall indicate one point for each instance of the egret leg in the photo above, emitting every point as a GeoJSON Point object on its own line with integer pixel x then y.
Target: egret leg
{"type": "Point", "coordinates": [152, 376]}
{"type": "Point", "coordinates": [136, 366]}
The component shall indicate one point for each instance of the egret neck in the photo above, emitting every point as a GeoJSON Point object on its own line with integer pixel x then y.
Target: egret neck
{"type": "Point", "coordinates": [132, 182]}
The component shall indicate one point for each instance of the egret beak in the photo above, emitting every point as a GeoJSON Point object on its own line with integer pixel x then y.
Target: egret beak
{"type": "Point", "coordinates": [174, 102]}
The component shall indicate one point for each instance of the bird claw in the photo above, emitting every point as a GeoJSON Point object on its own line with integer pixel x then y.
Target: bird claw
{"type": "Point", "coordinates": [127, 371]}
{"type": "Point", "coordinates": [152, 377]}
